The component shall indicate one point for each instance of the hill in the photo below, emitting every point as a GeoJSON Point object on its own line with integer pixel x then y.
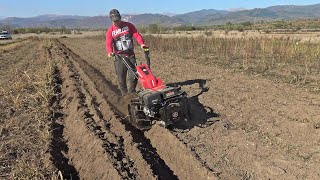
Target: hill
{"type": "Point", "coordinates": [197, 18]}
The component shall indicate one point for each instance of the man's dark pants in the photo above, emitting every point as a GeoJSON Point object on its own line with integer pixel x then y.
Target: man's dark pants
{"type": "Point", "coordinates": [122, 71]}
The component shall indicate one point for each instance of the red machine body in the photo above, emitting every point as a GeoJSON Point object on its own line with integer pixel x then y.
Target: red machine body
{"type": "Point", "coordinates": [147, 79]}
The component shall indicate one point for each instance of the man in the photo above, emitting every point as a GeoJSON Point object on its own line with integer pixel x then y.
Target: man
{"type": "Point", "coordinates": [119, 40]}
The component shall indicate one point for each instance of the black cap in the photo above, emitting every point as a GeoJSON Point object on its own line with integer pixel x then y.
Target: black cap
{"type": "Point", "coordinates": [114, 15]}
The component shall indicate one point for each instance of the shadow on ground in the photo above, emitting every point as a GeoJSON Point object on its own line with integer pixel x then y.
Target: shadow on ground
{"type": "Point", "coordinates": [200, 115]}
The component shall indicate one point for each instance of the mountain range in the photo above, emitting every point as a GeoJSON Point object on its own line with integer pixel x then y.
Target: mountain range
{"type": "Point", "coordinates": [197, 18]}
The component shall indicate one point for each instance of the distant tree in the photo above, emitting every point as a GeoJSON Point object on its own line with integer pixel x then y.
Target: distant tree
{"type": "Point", "coordinates": [247, 24]}
{"type": "Point", "coordinates": [62, 29]}
{"type": "Point", "coordinates": [142, 29]}
{"type": "Point", "coordinates": [154, 29]}
{"type": "Point", "coordinates": [228, 26]}
{"type": "Point", "coordinates": [183, 28]}
{"type": "Point", "coordinates": [16, 31]}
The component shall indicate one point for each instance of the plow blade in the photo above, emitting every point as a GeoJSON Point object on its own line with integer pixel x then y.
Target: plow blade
{"type": "Point", "coordinates": [137, 116]}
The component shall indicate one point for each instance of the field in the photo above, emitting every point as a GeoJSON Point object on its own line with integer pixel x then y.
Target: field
{"type": "Point", "coordinates": [254, 104]}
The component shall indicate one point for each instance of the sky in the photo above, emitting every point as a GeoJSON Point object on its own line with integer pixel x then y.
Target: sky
{"type": "Point", "coordinates": [31, 8]}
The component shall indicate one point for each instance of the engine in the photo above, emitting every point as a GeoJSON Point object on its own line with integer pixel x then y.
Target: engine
{"type": "Point", "coordinates": [168, 104]}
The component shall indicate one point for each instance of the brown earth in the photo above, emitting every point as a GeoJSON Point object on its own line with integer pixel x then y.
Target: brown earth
{"type": "Point", "coordinates": [243, 127]}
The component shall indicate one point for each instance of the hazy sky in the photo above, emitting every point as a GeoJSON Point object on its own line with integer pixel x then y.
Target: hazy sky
{"type": "Point", "coordinates": [29, 8]}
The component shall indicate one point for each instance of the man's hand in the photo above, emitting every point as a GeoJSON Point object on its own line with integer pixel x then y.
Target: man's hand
{"type": "Point", "coordinates": [144, 47]}
{"type": "Point", "coordinates": [110, 55]}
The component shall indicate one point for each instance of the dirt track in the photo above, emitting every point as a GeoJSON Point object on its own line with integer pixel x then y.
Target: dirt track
{"type": "Point", "coordinates": [243, 127]}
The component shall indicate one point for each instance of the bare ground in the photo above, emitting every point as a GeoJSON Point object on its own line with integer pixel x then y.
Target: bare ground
{"type": "Point", "coordinates": [243, 127]}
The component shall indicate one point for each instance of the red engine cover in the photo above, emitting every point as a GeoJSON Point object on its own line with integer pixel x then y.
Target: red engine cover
{"type": "Point", "coordinates": [147, 79]}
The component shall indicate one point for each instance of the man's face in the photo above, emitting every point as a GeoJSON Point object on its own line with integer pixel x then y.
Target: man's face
{"type": "Point", "coordinates": [117, 23]}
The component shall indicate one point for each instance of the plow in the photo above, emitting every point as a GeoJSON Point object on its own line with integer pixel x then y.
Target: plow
{"type": "Point", "coordinates": [155, 101]}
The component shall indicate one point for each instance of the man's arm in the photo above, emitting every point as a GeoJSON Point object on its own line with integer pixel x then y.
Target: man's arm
{"type": "Point", "coordinates": [137, 35]}
{"type": "Point", "coordinates": [109, 47]}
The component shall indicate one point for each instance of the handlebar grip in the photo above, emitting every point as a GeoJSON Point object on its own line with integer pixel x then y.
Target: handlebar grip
{"type": "Point", "coordinates": [145, 48]}
{"type": "Point", "coordinates": [147, 55]}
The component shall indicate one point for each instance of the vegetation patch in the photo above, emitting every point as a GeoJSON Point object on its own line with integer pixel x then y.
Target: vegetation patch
{"type": "Point", "coordinates": [281, 59]}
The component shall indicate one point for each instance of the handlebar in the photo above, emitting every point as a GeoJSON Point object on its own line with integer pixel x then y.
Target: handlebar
{"type": "Point", "coordinates": [146, 55]}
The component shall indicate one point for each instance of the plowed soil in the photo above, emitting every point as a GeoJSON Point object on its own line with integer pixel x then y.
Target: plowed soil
{"type": "Point", "coordinates": [242, 127]}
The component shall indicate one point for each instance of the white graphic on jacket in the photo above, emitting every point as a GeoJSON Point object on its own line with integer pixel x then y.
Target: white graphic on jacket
{"type": "Point", "coordinates": [123, 42]}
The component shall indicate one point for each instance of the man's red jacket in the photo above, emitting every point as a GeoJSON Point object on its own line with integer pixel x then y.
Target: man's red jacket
{"type": "Point", "coordinates": [119, 39]}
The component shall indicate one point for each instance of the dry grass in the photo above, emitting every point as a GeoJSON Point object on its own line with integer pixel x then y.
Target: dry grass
{"type": "Point", "coordinates": [13, 44]}
{"type": "Point", "coordinates": [282, 59]}
{"type": "Point", "coordinates": [24, 130]}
